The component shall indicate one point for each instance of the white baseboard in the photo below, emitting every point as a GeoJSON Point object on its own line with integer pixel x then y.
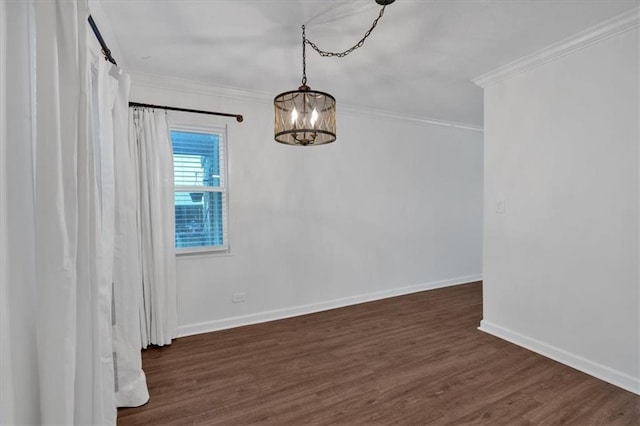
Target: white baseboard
{"type": "Point", "coordinates": [259, 317]}
{"type": "Point", "coordinates": [609, 375]}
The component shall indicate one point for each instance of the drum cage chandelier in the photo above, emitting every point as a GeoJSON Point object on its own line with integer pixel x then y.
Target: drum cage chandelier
{"type": "Point", "coordinates": [306, 117]}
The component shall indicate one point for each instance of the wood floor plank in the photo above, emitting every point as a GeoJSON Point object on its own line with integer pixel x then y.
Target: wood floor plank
{"type": "Point", "coordinates": [410, 360]}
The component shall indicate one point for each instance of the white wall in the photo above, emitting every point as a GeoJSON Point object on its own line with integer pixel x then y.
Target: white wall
{"type": "Point", "coordinates": [393, 206]}
{"type": "Point", "coordinates": [561, 263]}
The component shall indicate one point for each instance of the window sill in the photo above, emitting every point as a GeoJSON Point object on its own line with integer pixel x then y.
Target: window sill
{"type": "Point", "coordinates": [202, 254]}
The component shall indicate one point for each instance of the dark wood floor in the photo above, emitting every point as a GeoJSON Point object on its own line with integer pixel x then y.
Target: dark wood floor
{"type": "Point", "coordinates": [414, 360]}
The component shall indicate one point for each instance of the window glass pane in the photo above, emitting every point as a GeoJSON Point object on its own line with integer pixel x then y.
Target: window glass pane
{"type": "Point", "coordinates": [199, 219]}
{"type": "Point", "coordinates": [196, 158]}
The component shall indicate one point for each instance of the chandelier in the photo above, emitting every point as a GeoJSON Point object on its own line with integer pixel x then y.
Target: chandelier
{"type": "Point", "coordinates": [308, 117]}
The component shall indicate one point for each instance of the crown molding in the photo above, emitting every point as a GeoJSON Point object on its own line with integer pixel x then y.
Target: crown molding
{"type": "Point", "coordinates": [205, 89]}
{"type": "Point", "coordinates": [368, 112]}
{"type": "Point", "coordinates": [595, 34]}
{"type": "Point", "coordinates": [199, 88]}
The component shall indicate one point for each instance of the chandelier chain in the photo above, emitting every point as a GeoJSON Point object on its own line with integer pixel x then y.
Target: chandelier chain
{"type": "Point", "coordinates": [304, 58]}
{"type": "Point", "coordinates": [346, 52]}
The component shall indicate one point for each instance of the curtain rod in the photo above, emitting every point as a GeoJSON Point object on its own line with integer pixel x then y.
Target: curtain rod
{"type": "Point", "coordinates": [105, 50]}
{"type": "Point", "coordinates": [238, 117]}
{"type": "Point", "coordinates": [107, 55]}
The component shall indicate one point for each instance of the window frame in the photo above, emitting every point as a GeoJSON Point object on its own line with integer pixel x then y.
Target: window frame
{"type": "Point", "coordinates": [222, 131]}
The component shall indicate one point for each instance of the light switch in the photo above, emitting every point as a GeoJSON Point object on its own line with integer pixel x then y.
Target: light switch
{"type": "Point", "coordinates": [501, 206]}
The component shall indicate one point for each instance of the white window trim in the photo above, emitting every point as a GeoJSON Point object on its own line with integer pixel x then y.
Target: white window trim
{"type": "Point", "coordinates": [186, 126]}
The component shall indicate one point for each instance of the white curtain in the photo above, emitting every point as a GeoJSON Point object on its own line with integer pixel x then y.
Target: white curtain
{"type": "Point", "coordinates": [19, 380]}
{"type": "Point", "coordinates": [149, 131]}
{"type": "Point", "coordinates": [73, 292]}
{"type": "Point", "coordinates": [119, 197]}
{"type": "Point", "coordinates": [130, 386]}
{"type": "Point", "coordinates": [60, 112]}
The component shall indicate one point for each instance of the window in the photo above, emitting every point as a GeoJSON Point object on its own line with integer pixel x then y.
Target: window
{"type": "Point", "coordinates": [199, 169]}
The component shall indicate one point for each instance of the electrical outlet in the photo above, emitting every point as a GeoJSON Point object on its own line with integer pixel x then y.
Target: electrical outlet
{"type": "Point", "coordinates": [238, 297]}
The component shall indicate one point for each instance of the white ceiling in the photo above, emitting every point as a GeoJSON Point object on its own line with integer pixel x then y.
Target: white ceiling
{"type": "Point", "coordinates": [419, 61]}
